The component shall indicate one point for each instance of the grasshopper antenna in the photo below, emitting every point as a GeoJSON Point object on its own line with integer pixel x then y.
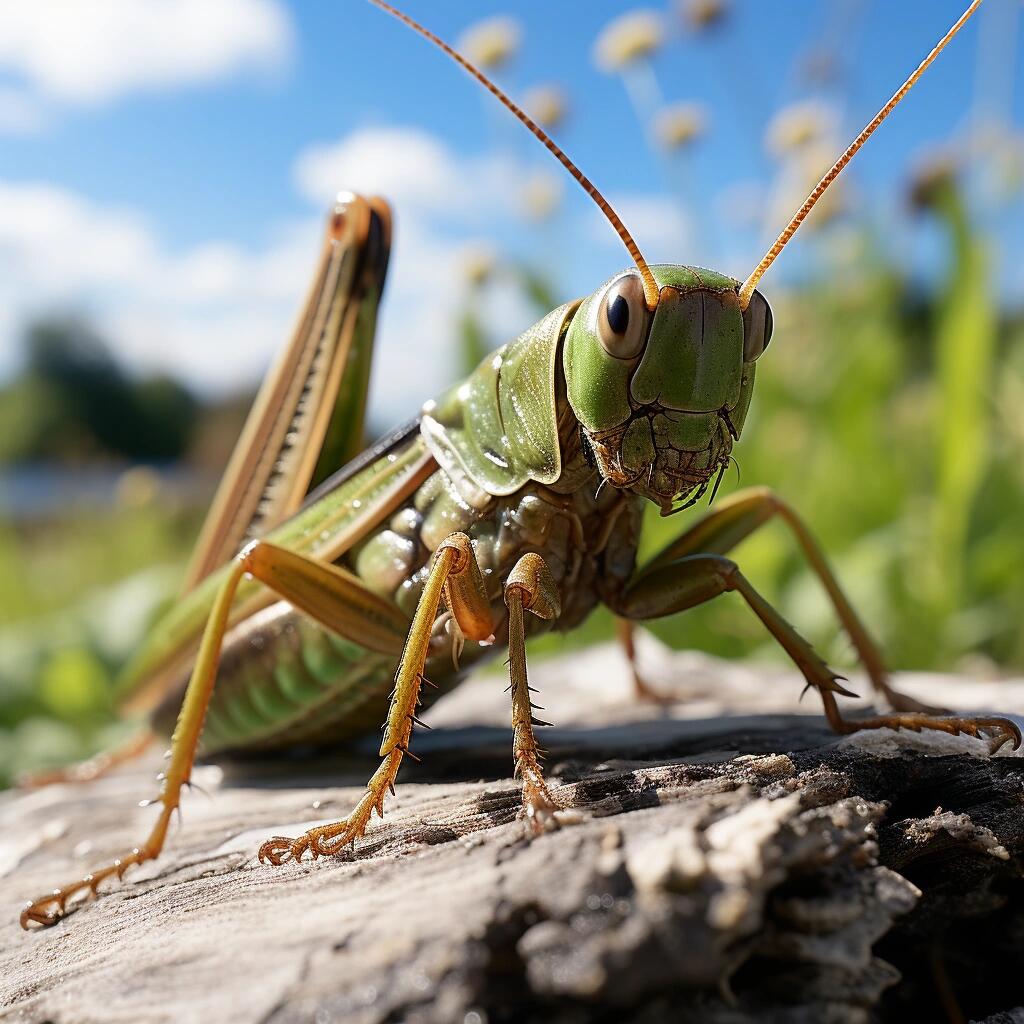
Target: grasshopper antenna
{"type": "Point", "coordinates": [650, 285]}
{"type": "Point", "coordinates": [748, 286]}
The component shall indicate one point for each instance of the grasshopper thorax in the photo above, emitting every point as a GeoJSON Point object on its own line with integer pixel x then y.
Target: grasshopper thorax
{"type": "Point", "coordinates": [661, 394]}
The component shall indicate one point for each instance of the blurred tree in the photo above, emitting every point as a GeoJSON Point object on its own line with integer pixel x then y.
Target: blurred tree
{"type": "Point", "coordinates": [73, 401]}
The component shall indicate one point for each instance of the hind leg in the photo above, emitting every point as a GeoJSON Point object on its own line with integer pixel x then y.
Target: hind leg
{"type": "Point", "coordinates": [327, 593]}
{"type": "Point", "coordinates": [95, 768]}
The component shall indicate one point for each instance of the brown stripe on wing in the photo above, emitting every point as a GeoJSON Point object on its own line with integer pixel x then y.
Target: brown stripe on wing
{"type": "Point", "coordinates": [275, 457]}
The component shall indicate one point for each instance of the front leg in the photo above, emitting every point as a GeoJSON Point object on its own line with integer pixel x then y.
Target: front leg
{"type": "Point", "coordinates": [455, 575]}
{"type": "Point", "coordinates": [672, 585]}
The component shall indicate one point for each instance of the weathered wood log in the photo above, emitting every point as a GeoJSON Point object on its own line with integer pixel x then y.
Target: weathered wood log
{"type": "Point", "coordinates": [726, 860]}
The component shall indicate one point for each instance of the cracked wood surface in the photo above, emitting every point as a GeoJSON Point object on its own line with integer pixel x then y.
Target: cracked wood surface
{"type": "Point", "coordinates": [732, 862]}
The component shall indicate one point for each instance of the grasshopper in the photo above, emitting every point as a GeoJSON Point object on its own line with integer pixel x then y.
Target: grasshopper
{"type": "Point", "coordinates": [518, 491]}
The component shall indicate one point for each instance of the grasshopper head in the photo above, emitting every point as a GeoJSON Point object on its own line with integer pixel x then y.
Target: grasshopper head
{"type": "Point", "coordinates": [661, 395]}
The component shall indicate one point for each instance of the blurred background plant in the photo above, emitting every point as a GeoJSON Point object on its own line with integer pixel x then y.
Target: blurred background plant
{"type": "Point", "coordinates": [888, 408]}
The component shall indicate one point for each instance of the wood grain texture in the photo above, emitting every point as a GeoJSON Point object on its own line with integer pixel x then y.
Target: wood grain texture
{"type": "Point", "coordinates": [731, 862]}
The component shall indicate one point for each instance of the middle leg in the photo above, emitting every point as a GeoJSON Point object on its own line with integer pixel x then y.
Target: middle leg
{"type": "Point", "coordinates": [674, 585]}
{"type": "Point", "coordinates": [737, 518]}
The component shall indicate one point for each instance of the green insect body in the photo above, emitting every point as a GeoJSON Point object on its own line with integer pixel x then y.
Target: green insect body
{"type": "Point", "coordinates": [520, 490]}
{"type": "Point", "coordinates": [521, 446]}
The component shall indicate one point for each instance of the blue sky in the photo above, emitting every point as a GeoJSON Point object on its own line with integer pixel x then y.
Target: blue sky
{"type": "Point", "coordinates": [164, 165]}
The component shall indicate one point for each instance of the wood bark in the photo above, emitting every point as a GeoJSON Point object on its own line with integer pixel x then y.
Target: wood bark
{"type": "Point", "coordinates": [723, 859]}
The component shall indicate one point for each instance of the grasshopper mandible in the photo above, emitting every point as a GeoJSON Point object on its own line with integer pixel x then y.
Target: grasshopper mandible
{"type": "Point", "coordinates": [518, 491]}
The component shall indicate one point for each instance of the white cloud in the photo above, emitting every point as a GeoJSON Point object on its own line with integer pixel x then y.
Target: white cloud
{"type": "Point", "coordinates": [61, 243]}
{"type": "Point", "coordinates": [395, 162]}
{"type": "Point", "coordinates": [89, 53]}
{"type": "Point", "coordinates": [414, 169]}
{"type": "Point", "coordinates": [217, 312]}
{"type": "Point", "coordinates": [214, 313]}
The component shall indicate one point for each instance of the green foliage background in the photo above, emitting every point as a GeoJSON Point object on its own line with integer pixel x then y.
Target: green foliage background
{"type": "Point", "coordinates": [890, 418]}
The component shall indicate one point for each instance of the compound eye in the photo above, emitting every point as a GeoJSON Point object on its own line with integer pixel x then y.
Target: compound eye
{"type": "Point", "coordinates": [757, 327]}
{"type": "Point", "coordinates": [622, 318]}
